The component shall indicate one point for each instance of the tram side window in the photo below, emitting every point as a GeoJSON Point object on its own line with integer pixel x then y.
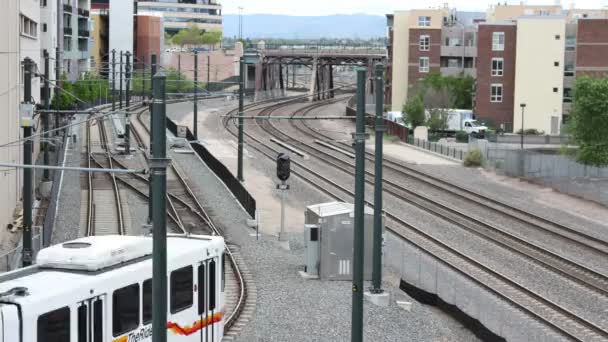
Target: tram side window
{"type": "Point", "coordinates": [212, 285]}
{"type": "Point", "coordinates": [181, 289]}
{"type": "Point", "coordinates": [125, 309]}
{"type": "Point", "coordinates": [147, 302]}
{"type": "Point", "coordinates": [201, 289]}
{"type": "Point", "coordinates": [54, 326]}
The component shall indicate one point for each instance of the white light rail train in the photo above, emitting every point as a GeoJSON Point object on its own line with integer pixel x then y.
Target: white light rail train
{"type": "Point", "coordinates": [99, 289]}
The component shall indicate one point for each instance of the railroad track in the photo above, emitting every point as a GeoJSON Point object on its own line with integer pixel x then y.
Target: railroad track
{"type": "Point", "coordinates": [177, 190]}
{"type": "Point", "coordinates": [104, 206]}
{"type": "Point", "coordinates": [552, 314]}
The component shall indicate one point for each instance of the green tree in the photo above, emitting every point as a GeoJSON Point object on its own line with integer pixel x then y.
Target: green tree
{"type": "Point", "coordinates": [212, 37]}
{"type": "Point", "coordinates": [191, 35]}
{"type": "Point", "coordinates": [414, 112]}
{"type": "Point", "coordinates": [62, 100]}
{"type": "Point", "coordinates": [589, 120]}
{"type": "Point", "coordinates": [438, 120]}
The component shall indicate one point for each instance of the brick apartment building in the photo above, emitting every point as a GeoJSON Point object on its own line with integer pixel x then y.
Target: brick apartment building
{"type": "Point", "coordinates": [517, 53]}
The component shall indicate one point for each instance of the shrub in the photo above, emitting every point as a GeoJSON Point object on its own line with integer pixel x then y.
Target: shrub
{"type": "Point", "coordinates": [462, 137]}
{"type": "Point", "coordinates": [531, 131]}
{"type": "Point", "coordinates": [473, 159]}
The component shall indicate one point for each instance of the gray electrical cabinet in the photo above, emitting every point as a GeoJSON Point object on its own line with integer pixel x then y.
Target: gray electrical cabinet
{"type": "Point", "coordinates": [332, 226]}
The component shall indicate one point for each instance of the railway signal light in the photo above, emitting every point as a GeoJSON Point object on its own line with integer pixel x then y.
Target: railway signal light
{"type": "Point", "coordinates": [283, 166]}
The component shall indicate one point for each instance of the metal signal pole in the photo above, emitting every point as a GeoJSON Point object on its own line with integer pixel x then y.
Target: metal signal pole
{"type": "Point", "coordinates": [45, 117]}
{"type": "Point", "coordinates": [158, 172]}
{"type": "Point", "coordinates": [357, 301]}
{"type": "Point", "coordinates": [377, 258]}
{"type": "Point", "coordinates": [27, 111]}
{"type": "Point", "coordinates": [153, 72]}
{"type": "Point", "coordinates": [113, 80]}
{"type": "Point", "coordinates": [195, 125]}
{"type": "Point", "coordinates": [128, 104]}
{"type": "Point", "coordinates": [120, 84]}
{"type": "Point", "coordinates": [241, 121]}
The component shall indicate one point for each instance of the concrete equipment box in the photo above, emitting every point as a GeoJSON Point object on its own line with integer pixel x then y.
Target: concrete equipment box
{"type": "Point", "coordinates": [329, 230]}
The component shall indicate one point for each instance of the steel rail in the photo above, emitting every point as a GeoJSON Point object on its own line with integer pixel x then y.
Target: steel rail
{"type": "Point", "coordinates": [552, 314]}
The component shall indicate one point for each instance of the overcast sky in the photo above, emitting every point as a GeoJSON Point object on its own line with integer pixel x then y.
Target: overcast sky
{"type": "Point", "coordinates": [378, 7]}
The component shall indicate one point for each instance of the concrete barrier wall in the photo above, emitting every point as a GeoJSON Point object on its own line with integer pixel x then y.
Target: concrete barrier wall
{"type": "Point", "coordinates": [422, 270]}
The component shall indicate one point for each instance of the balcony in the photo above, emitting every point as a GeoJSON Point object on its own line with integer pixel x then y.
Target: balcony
{"type": "Point", "coordinates": [83, 33]}
{"type": "Point", "coordinates": [458, 51]}
{"type": "Point", "coordinates": [83, 13]}
{"type": "Point", "coordinates": [568, 80]}
{"type": "Point", "coordinates": [67, 8]}
{"type": "Point", "coordinates": [455, 71]}
{"type": "Point", "coordinates": [67, 31]}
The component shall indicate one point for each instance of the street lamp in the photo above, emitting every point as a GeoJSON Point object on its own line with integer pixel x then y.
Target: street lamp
{"type": "Point", "coordinates": [240, 23]}
{"type": "Point", "coordinates": [523, 106]}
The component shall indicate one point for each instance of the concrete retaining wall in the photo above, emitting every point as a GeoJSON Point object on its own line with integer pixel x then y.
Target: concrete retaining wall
{"type": "Point", "coordinates": [429, 274]}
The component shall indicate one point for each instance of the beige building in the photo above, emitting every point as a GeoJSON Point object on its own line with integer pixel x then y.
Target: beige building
{"type": "Point", "coordinates": [405, 65]}
{"type": "Point", "coordinates": [10, 97]}
{"type": "Point", "coordinates": [539, 72]}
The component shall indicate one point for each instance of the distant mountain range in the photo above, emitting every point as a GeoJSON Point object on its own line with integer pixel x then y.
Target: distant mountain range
{"type": "Point", "coordinates": [311, 27]}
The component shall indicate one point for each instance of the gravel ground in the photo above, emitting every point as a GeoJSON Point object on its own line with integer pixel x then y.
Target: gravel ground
{"type": "Point", "coordinates": [318, 311]}
{"type": "Point", "coordinates": [281, 290]}
{"type": "Point", "coordinates": [67, 221]}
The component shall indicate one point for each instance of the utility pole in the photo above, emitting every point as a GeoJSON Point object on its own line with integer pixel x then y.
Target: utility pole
{"type": "Point", "coordinates": [151, 198]}
{"type": "Point", "coordinates": [377, 259]}
{"type": "Point", "coordinates": [113, 80]}
{"type": "Point", "coordinates": [241, 120]}
{"type": "Point", "coordinates": [27, 113]}
{"type": "Point", "coordinates": [152, 73]}
{"type": "Point", "coordinates": [357, 302]}
{"type": "Point", "coordinates": [128, 104]}
{"type": "Point", "coordinates": [195, 125]}
{"type": "Point", "coordinates": [45, 117]}
{"type": "Point", "coordinates": [158, 172]}
{"type": "Point", "coordinates": [120, 81]}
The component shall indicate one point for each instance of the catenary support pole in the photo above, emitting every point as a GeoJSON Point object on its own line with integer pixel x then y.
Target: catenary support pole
{"type": "Point", "coordinates": [128, 103]}
{"type": "Point", "coordinates": [113, 80]}
{"type": "Point", "coordinates": [179, 72]}
{"type": "Point", "coordinates": [143, 71]}
{"type": "Point", "coordinates": [151, 199]}
{"type": "Point", "coordinates": [241, 121]}
{"type": "Point", "coordinates": [128, 79]}
{"type": "Point", "coordinates": [208, 72]}
{"type": "Point", "coordinates": [377, 255]}
{"type": "Point", "coordinates": [57, 77]}
{"type": "Point", "coordinates": [26, 123]}
{"type": "Point", "coordinates": [158, 171]}
{"type": "Point", "coordinates": [45, 117]}
{"type": "Point", "coordinates": [120, 70]}
{"type": "Point", "coordinates": [195, 124]}
{"type": "Point", "coordinates": [358, 252]}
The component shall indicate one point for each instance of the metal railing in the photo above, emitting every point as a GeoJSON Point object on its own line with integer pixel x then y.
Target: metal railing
{"type": "Point", "coordinates": [446, 150]}
{"type": "Point", "coordinates": [67, 31]}
{"type": "Point", "coordinates": [67, 8]}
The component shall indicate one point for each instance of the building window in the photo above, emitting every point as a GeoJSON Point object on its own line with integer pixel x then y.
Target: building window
{"type": "Point", "coordinates": [424, 21]}
{"type": "Point", "coordinates": [498, 66]}
{"type": "Point", "coordinates": [496, 93]}
{"type": "Point", "coordinates": [425, 42]}
{"type": "Point", "coordinates": [125, 310]}
{"type": "Point", "coordinates": [557, 37]}
{"type": "Point", "coordinates": [555, 90]}
{"type": "Point", "coordinates": [498, 41]}
{"type": "Point", "coordinates": [54, 325]}
{"type": "Point", "coordinates": [181, 289]}
{"type": "Point", "coordinates": [423, 65]}
{"type": "Point", "coordinates": [556, 64]}
{"type": "Point", "coordinates": [43, 3]}
{"type": "Point", "coordinates": [43, 27]}
{"type": "Point", "coordinates": [28, 27]}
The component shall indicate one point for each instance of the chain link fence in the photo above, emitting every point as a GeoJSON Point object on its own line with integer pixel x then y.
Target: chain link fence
{"type": "Point", "coordinates": [548, 168]}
